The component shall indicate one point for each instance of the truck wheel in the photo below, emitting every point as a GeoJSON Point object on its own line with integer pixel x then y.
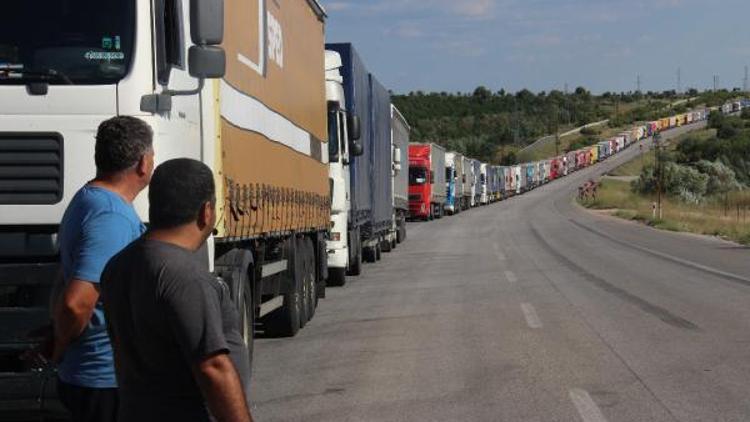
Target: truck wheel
{"type": "Point", "coordinates": [286, 321]}
{"type": "Point", "coordinates": [393, 243]}
{"type": "Point", "coordinates": [378, 252]}
{"type": "Point", "coordinates": [309, 278]}
{"type": "Point", "coordinates": [368, 254]}
{"type": "Point", "coordinates": [355, 266]}
{"type": "Point", "coordinates": [247, 324]}
{"type": "Point", "coordinates": [387, 245]}
{"type": "Point", "coordinates": [236, 268]}
{"type": "Point", "coordinates": [336, 277]}
{"type": "Point", "coordinates": [399, 234]}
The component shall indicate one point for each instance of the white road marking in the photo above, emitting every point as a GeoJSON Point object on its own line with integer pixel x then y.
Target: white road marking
{"type": "Point", "coordinates": [586, 406]}
{"type": "Point", "coordinates": [532, 319]}
{"type": "Point", "coordinates": [511, 277]}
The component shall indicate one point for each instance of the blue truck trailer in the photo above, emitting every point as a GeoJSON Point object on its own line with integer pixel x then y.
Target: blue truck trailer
{"type": "Point", "coordinates": [370, 187]}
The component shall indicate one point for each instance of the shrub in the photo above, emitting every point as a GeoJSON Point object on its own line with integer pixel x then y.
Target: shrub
{"type": "Point", "coordinates": [721, 178]}
{"type": "Point", "coordinates": [683, 182]}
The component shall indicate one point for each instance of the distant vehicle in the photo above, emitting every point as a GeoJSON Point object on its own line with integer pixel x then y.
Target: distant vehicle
{"type": "Point", "coordinates": [400, 147]}
{"type": "Point", "coordinates": [366, 173]}
{"type": "Point", "coordinates": [484, 183]}
{"type": "Point", "coordinates": [426, 181]}
{"type": "Point", "coordinates": [467, 179]}
{"type": "Point", "coordinates": [454, 180]}
{"type": "Point", "coordinates": [476, 189]}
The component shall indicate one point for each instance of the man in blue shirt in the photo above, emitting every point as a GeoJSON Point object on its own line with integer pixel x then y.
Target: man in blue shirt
{"type": "Point", "coordinates": [99, 222]}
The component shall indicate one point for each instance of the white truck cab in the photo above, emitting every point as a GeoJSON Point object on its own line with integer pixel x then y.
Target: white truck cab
{"type": "Point", "coordinates": [344, 249]}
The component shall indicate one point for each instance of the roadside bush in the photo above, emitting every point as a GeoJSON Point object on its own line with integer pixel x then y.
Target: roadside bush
{"type": "Point", "coordinates": [683, 182]}
{"type": "Point", "coordinates": [721, 178]}
{"type": "Point", "coordinates": [727, 131]}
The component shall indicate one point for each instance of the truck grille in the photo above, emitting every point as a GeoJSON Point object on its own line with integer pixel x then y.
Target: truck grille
{"type": "Point", "coordinates": [31, 169]}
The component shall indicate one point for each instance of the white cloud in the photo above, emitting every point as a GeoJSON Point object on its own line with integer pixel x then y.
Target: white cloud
{"type": "Point", "coordinates": [337, 6]}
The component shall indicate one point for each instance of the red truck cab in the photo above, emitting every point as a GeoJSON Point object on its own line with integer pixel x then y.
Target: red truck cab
{"type": "Point", "coordinates": [420, 187]}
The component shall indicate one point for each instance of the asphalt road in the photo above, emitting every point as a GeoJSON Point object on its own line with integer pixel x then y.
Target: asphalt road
{"type": "Point", "coordinates": [531, 309]}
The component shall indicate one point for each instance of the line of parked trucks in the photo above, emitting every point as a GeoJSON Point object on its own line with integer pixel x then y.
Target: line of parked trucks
{"type": "Point", "coordinates": [313, 165]}
{"type": "Point", "coordinates": [470, 183]}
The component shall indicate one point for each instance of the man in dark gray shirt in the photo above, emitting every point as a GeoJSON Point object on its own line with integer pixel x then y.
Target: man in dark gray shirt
{"type": "Point", "coordinates": [178, 350]}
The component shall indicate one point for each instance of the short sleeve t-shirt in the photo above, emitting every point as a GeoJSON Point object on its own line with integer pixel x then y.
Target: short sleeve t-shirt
{"type": "Point", "coordinates": [97, 224]}
{"type": "Point", "coordinates": [165, 312]}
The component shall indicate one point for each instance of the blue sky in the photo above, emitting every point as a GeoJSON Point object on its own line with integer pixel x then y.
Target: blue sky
{"type": "Point", "coordinates": [444, 45]}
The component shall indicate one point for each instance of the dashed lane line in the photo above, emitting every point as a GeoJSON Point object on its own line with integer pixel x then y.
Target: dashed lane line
{"type": "Point", "coordinates": [532, 319]}
{"type": "Point", "coordinates": [511, 277]}
{"type": "Point", "coordinates": [586, 406]}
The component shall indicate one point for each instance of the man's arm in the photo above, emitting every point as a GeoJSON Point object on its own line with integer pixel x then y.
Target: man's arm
{"type": "Point", "coordinates": [101, 238]}
{"type": "Point", "coordinates": [222, 389]}
{"type": "Point", "coordinates": [72, 314]}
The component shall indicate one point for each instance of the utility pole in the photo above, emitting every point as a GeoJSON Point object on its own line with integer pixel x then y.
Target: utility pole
{"type": "Point", "coordinates": [516, 124]}
{"type": "Point", "coordinates": [638, 83]}
{"type": "Point", "coordinates": [716, 83]}
{"type": "Point", "coordinates": [679, 80]}
{"type": "Point", "coordinates": [659, 172]}
{"type": "Point", "coordinates": [745, 87]}
{"type": "Point", "coordinates": [557, 130]}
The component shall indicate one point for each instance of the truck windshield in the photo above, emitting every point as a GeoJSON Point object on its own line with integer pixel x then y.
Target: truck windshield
{"type": "Point", "coordinates": [333, 135]}
{"type": "Point", "coordinates": [66, 41]}
{"type": "Point", "coordinates": [417, 175]}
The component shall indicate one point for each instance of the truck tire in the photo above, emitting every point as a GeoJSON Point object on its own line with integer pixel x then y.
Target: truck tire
{"type": "Point", "coordinates": [336, 277]}
{"type": "Point", "coordinates": [355, 266]}
{"type": "Point", "coordinates": [247, 325]}
{"type": "Point", "coordinates": [309, 278]}
{"type": "Point", "coordinates": [387, 245]}
{"type": "Point", "coordinates": [399, 234]}
{"type": "Point", "coordinates": [394, 244]}
{"type": "Point", "coordinates": [378, 251]}
{"type": "Point", "coordinates": [306, 298]}
{"type": "Point", "coordinates": [368, 254]}
{"type": "Point", "coordinates": [286, 321]}
{"type": "Point", "coordinates": [237, 270]}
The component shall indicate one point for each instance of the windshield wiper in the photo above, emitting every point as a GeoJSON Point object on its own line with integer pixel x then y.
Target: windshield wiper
{"type": "Point", "coordinates": [16, 73]}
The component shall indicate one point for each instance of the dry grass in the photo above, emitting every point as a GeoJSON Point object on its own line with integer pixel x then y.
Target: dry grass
{"type": "Point", "coordinates": [725, 217]}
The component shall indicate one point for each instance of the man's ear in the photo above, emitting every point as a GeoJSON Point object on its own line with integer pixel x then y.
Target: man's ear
{"type": "Point", "coordinates": [206, 215]}
{"type": "Point", "coordinates": [142, 167]}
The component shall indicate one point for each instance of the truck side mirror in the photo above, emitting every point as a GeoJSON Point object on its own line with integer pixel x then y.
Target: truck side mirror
{"type": "Point", "coordinates": [397, 155]}
{"type": "Point", "coordinates": [205, 59]}
{"type": "Point", "coordinates": [355, 148]}
{"type": "Point", "coordinates": [206, 62]}
{"type": "Point", "coordinates": [355, 127]}
{"type": "Point", "coordinates": [207, 22]}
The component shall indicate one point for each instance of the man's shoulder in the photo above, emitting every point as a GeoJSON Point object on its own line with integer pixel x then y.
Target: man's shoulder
{"type": "Point", "coordinates": [92, 201]}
